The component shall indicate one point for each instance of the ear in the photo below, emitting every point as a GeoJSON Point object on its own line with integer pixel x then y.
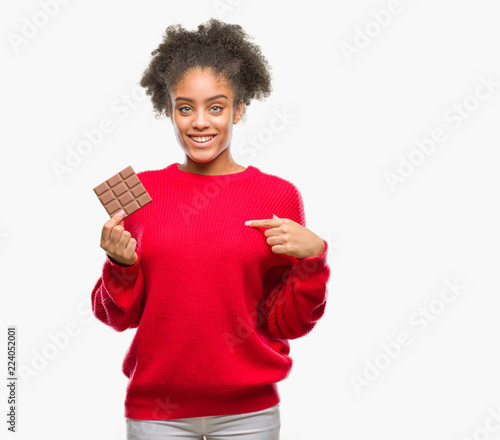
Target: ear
{"type": "Point", "coordinates": [238, 113]}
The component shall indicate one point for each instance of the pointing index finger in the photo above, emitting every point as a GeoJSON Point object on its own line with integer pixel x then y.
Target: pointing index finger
{"type": "Point", "coordinates": [264, 223]}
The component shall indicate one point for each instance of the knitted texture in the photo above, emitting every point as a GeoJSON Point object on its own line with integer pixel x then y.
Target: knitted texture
{"type": "Point", "coordinates": [213, 305]}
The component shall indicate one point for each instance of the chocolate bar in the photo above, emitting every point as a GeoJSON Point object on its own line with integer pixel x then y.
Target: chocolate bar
{"type": "Point", "coordinates": [122, 191]}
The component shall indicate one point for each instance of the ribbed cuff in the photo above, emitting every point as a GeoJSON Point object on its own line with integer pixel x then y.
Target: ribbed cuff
{"type": "Point", "coordinates": [312, 265]}
{"type": "Point", "coordinates": [122, 276]}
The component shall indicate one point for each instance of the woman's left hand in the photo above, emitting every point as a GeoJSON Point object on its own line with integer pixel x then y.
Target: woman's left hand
{"type": "Point", "coordinates": [288, 237]}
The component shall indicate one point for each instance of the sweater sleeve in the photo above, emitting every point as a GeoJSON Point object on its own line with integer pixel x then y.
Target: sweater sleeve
{"type": "Point", "coordinates": [117, 295]}
{"type": "Point", "coordinates": [295, 296]}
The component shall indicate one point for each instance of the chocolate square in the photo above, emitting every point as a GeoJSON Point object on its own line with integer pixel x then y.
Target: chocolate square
{"type": "Point", "coordinates": [124, 191]}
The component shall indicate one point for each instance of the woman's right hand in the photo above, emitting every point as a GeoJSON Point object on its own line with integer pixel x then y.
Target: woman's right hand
{"type": "Point", "coordinates": [118, 243]}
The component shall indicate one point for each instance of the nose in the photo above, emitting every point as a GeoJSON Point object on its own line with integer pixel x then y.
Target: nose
{"type": "Point", "coordinates": [200, 120]}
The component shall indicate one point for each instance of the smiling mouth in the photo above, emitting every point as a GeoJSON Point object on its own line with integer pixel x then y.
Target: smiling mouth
{"type": "Point", "coordinates": [202, 139]}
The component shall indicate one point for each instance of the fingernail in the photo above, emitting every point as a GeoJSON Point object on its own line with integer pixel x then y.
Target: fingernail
{"type": "Point", "coordinates": [121, 213]}
{"type": "Point", "coordinates": [248, 222]}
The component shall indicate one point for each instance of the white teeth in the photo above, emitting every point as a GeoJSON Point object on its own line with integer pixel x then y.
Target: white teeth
{"type": "Point", "coordinates": [201, 139]}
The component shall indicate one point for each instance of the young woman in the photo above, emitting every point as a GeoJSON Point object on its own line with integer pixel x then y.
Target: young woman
{"type": "Point", "coordinates": [218, 272]}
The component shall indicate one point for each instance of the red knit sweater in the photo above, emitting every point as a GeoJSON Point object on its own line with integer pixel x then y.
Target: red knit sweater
{"type": "Point", "coordinates": [212, 304]}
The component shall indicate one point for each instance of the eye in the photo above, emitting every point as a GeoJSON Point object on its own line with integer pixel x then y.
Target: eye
{"type": "Point", "coordinates": [217, 107]}
{"type": "Point", "coordinates": [181, 109]}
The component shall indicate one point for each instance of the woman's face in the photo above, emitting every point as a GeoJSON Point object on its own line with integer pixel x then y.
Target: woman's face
{"type": "Point", "coordinates": [203, 114]}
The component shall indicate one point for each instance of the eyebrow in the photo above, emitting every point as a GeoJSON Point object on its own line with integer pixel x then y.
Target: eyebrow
{"type": "Point", "coordinates": [182, 98]}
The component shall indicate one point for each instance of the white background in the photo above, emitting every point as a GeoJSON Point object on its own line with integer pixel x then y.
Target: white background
{"type": "Point", "coordinates": [355, 119]}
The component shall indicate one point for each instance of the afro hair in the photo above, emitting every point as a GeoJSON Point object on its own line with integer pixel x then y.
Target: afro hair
{"type": "Point", "coordinates": [224, 48]}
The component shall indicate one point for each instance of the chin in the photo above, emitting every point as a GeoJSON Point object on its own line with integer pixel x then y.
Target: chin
{"type": "Point", "coordinates": [204, 155]}
{"type": "Point", "coordinates": [202, 158]}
